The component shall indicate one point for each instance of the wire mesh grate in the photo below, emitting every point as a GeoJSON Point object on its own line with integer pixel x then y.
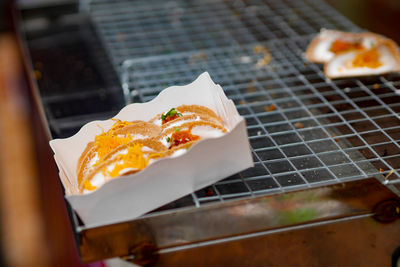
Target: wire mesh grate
{"type": "Point", "coordinates": [132, 29]}
{"type": "Point", "coordinates": [304, 130]}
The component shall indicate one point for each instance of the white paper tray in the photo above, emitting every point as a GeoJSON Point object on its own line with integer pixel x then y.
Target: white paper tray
{"type": "Point", "coordinates": [165, 180]}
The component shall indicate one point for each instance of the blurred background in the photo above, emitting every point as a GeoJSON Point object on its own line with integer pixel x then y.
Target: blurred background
{"type": "Point", "coordinates": [373, 15]}
{"type": "Point", "coordinates": [34, 225]}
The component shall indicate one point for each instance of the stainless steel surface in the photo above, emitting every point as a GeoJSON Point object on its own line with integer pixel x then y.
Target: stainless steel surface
{"type": "Point", "coordinates": [183, 229]}
{"type": "Point", "coordinates": [356, 241]}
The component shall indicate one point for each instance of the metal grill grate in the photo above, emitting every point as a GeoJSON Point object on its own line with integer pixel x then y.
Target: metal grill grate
{"type": "Point", "coordinates": [132, 29]}
{"type": "Point", "coordinates": [304, 130]}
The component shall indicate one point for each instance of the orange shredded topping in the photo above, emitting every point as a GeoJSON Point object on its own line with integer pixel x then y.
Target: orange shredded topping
{"type": "Point", "coordinates": [381, 170]}
{"type": "Point", "coordinates": [107, 141]}
{"type": "Point", "coordinates": [368, 58]}
{"type": "Point", "coordinates": [182, 137]}
{"type": "Point", "coordinates": [88, 185]}
{"type": "Point", "coordinates": [133, 159]}
{"type": "Point", "coordinates": [340, 46]}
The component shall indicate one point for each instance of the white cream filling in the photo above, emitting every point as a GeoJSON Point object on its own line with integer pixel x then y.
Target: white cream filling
{"type": "Point", "coordinates": [342, 65]}
{"type": "Point", "coordinates": [147, 149]}
{"type": "Point", "coordinates": [368, 42]}
{"type": "Point", "coordinates": [99, 179]}
{"type": "Point", "coordinates": [93, 160]}
{"type": "Point", "coordinates": [322, 49]}
{"type": "Point", "coordinates": [158, 122]}
{"type": "Point", "coordinates": [207, 132]}
{"type": "Point", "coordinates": [321, 52]}
{"type": "Point", "coordinates": [120, 152]}
{"type": "Point", "coordinates": [134, 136]}
{"type": "Point", "coordinates": [187, 113]}
{"type": "Point", "coordinates": [180, 122]}
{"type": "Point", "coordinates": [164, 141]}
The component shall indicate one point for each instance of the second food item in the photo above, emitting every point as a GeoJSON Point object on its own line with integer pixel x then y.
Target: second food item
{"type": "Point", "coordinates": [328, 43]}
{"type": "Point", "coordinates": [380, 59]}
{"type": "Point", "coordinates": [347, 54]}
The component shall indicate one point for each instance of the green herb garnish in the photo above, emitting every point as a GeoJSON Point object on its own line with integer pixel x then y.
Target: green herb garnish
{"type": "Point", "coordinates": [168, 139]}
{"type": "Point", "coordinates": [172, 112]}
{"type": "Point", "coordinates": [177, 130]}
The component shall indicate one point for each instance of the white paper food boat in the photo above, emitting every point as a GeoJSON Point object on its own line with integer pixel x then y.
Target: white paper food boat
{"type": "Point", "coordinates": [168, 179]}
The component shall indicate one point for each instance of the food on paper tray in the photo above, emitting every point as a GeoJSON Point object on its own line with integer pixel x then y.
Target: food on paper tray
{"type": "Point", "coordinates": [157, 150]}
{"type": "Point", "coordinates": [129, 147]}
{"type": "Point", "coordinates": [348, 54]}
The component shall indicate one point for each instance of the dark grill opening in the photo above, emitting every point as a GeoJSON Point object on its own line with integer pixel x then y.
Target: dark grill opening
{"type": "Point", "coordinates": [76, 81]}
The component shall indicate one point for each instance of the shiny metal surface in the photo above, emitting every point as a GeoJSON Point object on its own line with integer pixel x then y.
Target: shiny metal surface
{"type": "Point", "coordinates": [359, 241]}
{"type": "Point", "coordinates": [237, 219]}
